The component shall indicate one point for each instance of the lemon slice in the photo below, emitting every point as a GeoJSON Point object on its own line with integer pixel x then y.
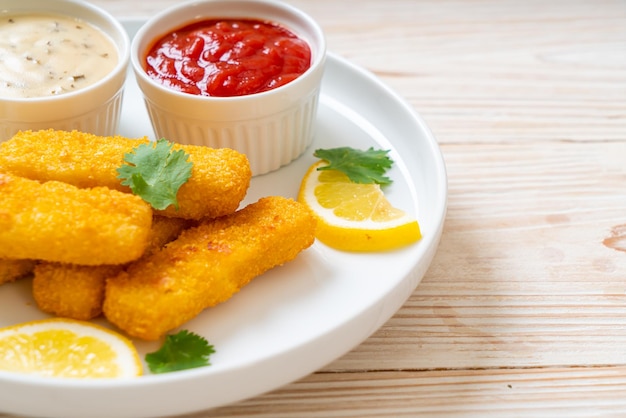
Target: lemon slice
{"type": "Point", "coordinates": [67, 348]}
{"type": "Point", "coordinates": [352, 216]}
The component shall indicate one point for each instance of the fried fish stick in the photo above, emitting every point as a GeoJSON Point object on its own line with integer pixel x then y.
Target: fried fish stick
{"type": "Point", "coordinates": [70, 290]}
{"type": "Point", "coordinates": [55, 221]}
{"type": "Point", "coordinates": [11, 270]}
{"type": "Point", "coordinates": [219, 180]}
{"type": "Point", "coordinates": [205, 266]}
{"type": "Point", "coordinates": [77, 292]}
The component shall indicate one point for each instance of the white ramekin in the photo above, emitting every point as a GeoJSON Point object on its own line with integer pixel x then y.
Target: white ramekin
{"type": "Point", "coordinates": [93, 109]}
{"type": "Point", "coordinates": [273, 127]}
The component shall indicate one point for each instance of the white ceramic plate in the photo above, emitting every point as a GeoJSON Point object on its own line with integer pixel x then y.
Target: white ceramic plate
{"type": "Point", "coordinates": [294, 319]}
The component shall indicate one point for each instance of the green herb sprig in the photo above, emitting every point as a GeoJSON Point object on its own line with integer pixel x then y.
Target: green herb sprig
{"type": "Point", "coordinates": [155, 172]}
{"type": "Point", "coordinates": [361, 166]}
{"type": "Point", "coordinates": [180, 351]}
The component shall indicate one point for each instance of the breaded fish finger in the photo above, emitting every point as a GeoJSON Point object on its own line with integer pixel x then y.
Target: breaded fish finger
{"type": "Point", "coordinates": [11, 269]}
{"type": "Point", "coordinates": [77, 292]}
{"type": "Point", "coordinates": [205, 266]}
{"type": "Point", "coordinates": [55, 221]}
{"type": "Point", "coordinates": [70, 290]}
{"type": "Point", "coordinates": [219, 180]}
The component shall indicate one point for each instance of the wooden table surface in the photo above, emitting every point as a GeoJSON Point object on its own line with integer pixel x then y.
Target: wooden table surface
{"type": "Point", "coordinates": [523, 310]}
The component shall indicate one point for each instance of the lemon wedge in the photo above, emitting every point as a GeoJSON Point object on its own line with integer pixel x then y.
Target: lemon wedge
{"type": "Point", "coordinates": [352, 216]}
{"type": "Point", "coordinates": [67, 348]}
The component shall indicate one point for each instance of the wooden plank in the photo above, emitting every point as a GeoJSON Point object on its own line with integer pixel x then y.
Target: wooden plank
{"type": "Point", "coordinates": [502, 393]}
{"type": "Point", "coordinates": [565, 392]}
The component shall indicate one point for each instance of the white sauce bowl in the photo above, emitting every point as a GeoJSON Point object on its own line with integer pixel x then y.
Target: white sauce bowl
{"type": "Point", "coordinates": [95, 108]}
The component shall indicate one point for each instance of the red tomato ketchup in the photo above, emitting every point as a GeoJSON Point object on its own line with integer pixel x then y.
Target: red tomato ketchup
{"type": "Point", "coordinates": [228, 57]}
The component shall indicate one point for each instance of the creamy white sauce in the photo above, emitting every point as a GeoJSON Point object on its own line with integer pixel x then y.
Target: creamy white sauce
{"type": "Point", "coordinates": [46, 55]}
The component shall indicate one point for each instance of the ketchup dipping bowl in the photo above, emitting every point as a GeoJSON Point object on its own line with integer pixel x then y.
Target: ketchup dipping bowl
{"type": "Point", "coordinates": [232, 86]}
{"type": "Point", "coordinates": [63, 64]}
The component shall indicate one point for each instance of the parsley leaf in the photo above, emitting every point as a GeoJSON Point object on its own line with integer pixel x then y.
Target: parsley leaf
{"type": "Point", "coordinates": [364, 167]}
{"type": "Point", "coordinates": [155, 172]}
{"type": "Point", "coordinates": [184, 350]}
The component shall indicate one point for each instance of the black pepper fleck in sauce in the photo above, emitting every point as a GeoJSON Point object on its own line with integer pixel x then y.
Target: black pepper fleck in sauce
{"type": "Point", "coordinates": [39, 54]}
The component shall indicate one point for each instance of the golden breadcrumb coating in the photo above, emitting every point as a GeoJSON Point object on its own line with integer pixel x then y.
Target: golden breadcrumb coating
{"type": "Point", "coordinates": [165, 230]}
{"type": "Point", "coordinates": [77, 292]}
{"type": "Point", "coordinates": [11, 270]}
{"type": "Point", "coordinates": [206, 265]}
{"type": "Point", "coordinates": [54, 221]}
{"type": "Point", "coordinates": [219, 180]}
{"type": "Point", "coordinates": [70, 290]}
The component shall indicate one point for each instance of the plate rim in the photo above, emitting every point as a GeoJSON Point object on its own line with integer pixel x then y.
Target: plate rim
{"type": "Point", "coordinates": [193, 377]}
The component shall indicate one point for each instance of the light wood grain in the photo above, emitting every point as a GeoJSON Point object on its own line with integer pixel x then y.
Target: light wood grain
{"type": "Point", "coordinates": [523, 311]}
{"type": "Point", "coordinates": [502, 393]}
